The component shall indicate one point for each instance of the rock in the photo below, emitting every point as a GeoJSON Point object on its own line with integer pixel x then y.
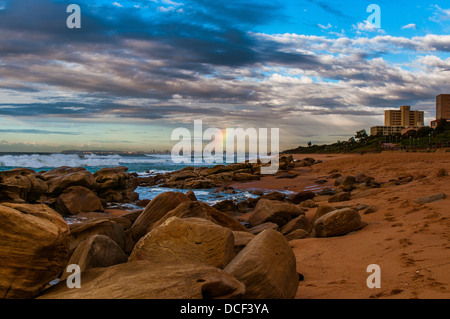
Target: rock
{"type": "Point", "coordinates": [346, 182]}
{"type": "Point", "coordinates": [241, 239]}
{"type": "Point", "coordinates": [297, 234]}
{"type": "Point", "coordinates": [246, 205]}
{"type": "Point", "coordinates": [192, 239]}
{"type": "Point", "coordinates": [152, 280]}
{"type": "Point", "coordinates": [337, 223]}
{"type": "Point", "coordinates": [21, 185]}
{"type": "Point", "coordinates": [96, 251]}
{"type": "Point", "coordinates": [116, 185]}
{"type": "Point", "coordinates": [341, 197]}
{"type": "Point", "coordinates": [34, 248]}
{"type": "Point", "coordinates": [405, 177]}
{"type": "Point", "coordinates": [442, 172]}
{"type": "Point", "coordinates": [202, 210]}
{"type": "Point", "coordinates": [310, 203]}
{"type": "Point", "coordinates": [105, 227]}
{"type": "Point", "coordinates": [322, 210]}
{"type": "Point", "coordinates": [224, 206]}
{"type": "Point", "coordinates": [191, 195]}
{"type": "Point", "coordinates": [362, 207]}
{"type": "Point", "coordinates": [301, 196]}
{"type": "Point", "coordinates": [78, 199]}
{"type": "Point", "coordinates": [59, 179]}
{"type": "Point", "coordinates": [143, 202]}
{"type": "Point", "coordinates": [155, 210]}
{"type": "Point", "coordinates": [273, 211]}
{"type": "Point", "coordinates": [300, 222]}
{"type": "Point", "coordinates": [430, 199]}
{"type": "Point", "coordinates": [262, 227]}
{"type": "Point", "coordinates": [274, 196]}
{"type": "Point", "coordinates": [370, 210]}
{"type": "Point", "coordinates": [239, 177]}
{"type": "Point", "coordinates": [267, 267]}
{"type": "Point", "coordinates": [334, 176]}
{"type": "Point", "coordinates": [112, 177]}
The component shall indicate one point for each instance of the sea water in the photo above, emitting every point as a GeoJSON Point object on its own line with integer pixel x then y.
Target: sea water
{"type": "Point", "coordinates": [142, 164]}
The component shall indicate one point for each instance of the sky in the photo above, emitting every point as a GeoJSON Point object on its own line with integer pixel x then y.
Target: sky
{"type": "Point", "coordinates": [137, 69]}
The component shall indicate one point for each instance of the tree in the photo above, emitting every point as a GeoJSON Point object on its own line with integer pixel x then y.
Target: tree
{"type": "Point", "coordinates": [309, 144]}
{"type": "Point", "coordinates": [441, 127]}
{"type": "Point", "coordinates": [361, 136]}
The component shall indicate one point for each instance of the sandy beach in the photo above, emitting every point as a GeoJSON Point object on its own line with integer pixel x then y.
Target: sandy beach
{"type": "Point", "coordinates": [409, 241]}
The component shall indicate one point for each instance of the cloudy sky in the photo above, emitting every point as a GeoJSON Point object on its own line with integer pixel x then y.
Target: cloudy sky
{"type": "Point", "coordinates": [137, 69]}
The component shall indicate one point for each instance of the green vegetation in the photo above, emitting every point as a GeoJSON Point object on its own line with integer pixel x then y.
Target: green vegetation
{"type": "Point", "coordinates": [425, 138]}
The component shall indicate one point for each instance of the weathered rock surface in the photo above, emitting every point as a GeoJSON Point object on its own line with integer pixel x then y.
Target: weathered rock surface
{"type": "Point", "coordinates": [96, 251]}
{"type": "Point", "coordinates": [340, 197]}
{"type": "Point", "coordinates": [34, 248]}
{"type": "Point", "coordinates": [322, 210]}
{"type": "Point", "coordinates": [300, 222]}
{"type": "Point", "coordinates": [430, 199]}
{"type": "Point", "coordinates": [297, 234]}
{"type": "Point", "coordinates": [78, 199]}
{"type": "Point", "coordinates": [155, 210]}
{"type": "Point", "coordinates": [274, 211]}
{"type": "Point", "coordinates": [81, 232]}
{"type": "Point", "coordinates": [301, 196]}
{"type": "Point", "coordinates": [338, 222]}
{"type": "Point", "coordinates": [201, 210]}
{"type": "Point", "coordinates": [152, 280]}
{"type": "Point", "coordinates": [262, 227]}
{"type": "Point", "coordinates": [241, 239]}
{"type": "Point", "coordinates": [267, 267]}
{"type": "Point", "coordinates": [193, 239]}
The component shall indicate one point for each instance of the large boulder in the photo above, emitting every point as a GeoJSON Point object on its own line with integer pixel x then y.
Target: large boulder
{"type": "Point", "coordinates": [300, 222]}
{"type": "Point", "coordinates": [346, 182]}
{"type": "Point", "coordinates": [202, 210]}
{"type": "Point", "coordinates": [96, 251]}
{"type": "Point", "coordinates": [340, 197]}
{"type": "Point", "coordinates": [78, 199]}
{"type": "Point", "coordinates": [105, 227]}
{"type": "Point", "coordinates": [34, 248]}
{"type": "Point", "coordinates": [338, 222]}
{"type": "Point", "coordinates": [21, 185]}
{"type": "Point", "coordinates": [114, 184]}
{"type": "Point", "coordinates": [275, 212]}
{"type": "Point", "coordinates": [267, 267]}
{"type": "Point", "coordinates": [301, 196]}
{"type": "Point", "coordinates": [155, 210]}
{"type": "Point", "coordinates": [152, 280]}
{"type": "Point", "coordinates": [193, 239]}
{"type": "Point", "coordinates": [59, 179]}
{"type": "Point", "coordinates": [322, 210]}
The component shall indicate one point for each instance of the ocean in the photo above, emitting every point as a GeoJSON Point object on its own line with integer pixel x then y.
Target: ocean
{"type": "Point", "coordinates": [142, 164]}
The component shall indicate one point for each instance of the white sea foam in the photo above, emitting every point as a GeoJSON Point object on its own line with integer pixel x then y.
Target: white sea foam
{"type": "Point", "coordinates": [73, 160]}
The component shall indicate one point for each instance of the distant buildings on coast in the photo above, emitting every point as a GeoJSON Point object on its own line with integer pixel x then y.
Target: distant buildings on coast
{"type": "Point", "coordinates": [404, 120]}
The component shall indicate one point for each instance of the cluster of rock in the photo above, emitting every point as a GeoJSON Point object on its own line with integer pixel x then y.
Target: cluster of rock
{"type": "Point", "coordinates": [176, 247]}
{"type": "Point", "coordinates": [69, 190]}
{"type": "Point", "coordinates": [222, 175]}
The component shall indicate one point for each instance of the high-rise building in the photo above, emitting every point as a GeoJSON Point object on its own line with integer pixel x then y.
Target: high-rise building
{"type": "Point", "coordinates": [443, 107]}
{"type": "Point", "coordinates": [403, 117]}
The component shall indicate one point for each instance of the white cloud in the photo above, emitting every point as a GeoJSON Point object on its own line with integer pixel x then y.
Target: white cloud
{"type": "Point", "coordinates": [118, 4]}
{"type": "Point", "coordinates": [325, 27]}
{"type": "Point", "coordinates": [440, 14]}
{"type": "Point", "coordinates": [410, 26]}
{"type": "Point", "coordinates": [366, 26]}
